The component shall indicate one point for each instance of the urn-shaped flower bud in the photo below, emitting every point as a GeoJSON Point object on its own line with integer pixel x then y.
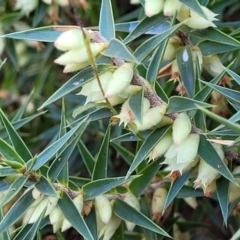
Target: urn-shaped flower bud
{"type": "Point", "coordinates": [162, 146]}
{"type": "Point", "coordinates": [153, 7]}
{"type": "Point", "coordinates": [104, 208]}
{"type": "Point", "coordinates": [132, 200]}
{"type": "Point", "coordinates": [158, 201]}
{"type": "Point", "coordinates": [51, 205]}
{"type": "Point", "coordinates": [120, 80]}
{"type": "Point", "coordinates": [80, 55]}
{"type": "Point", "coordinates": [56, 218]}
{"type": "Point", "coordinates": [26, 6]}
{"type": "Point", "coordinates": [78, 203]}
{"type": "Point", "coordinates": [181, 128]}
{"type": "Point", "coordinates": [69, 40]}
{"type": "Point", "coordinates": [186, 151]}
{"type": "Point", "coordinates": [183, 13]}
{"type": "Point", "coordinates": [197, 56]}
{"type": "Point", "coordinates": [171, 49]}
{"type": "Point", "coordinates": [191, 201]}
{"type": "Point", "coordinates": [206, 173]}
{"type": "Point", "coordinates": [213, 65]}
{"type": "Point", "coordinates": [234, 190]}
{"type": "Point", "coordinates": [151, 118]}
{"type": "Point", "coordinates": [171, 7]}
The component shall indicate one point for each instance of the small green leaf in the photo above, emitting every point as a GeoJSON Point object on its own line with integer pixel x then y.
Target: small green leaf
{"type": "Point", "coordinates": [100, 167]}
{"type": "Point", "coordinates": [186, 68]}
{"type": "Point", "coordinates": [181, 104]}
{"type": "Point", "coordinates": [136, 103]}
{"type": "Point", "coordinates": [143, 26]}
{"type": "Point", "coordinates": [10, 155]}
{"type": "Point", "coordinates": [106, 21]}
{"type": "Point", "coordinates": [73, 83]}
{"type": "Point", "coordinates": [138, 185]}
{"type": "Point", "coordinates": [14, 189]}
{"type": "Point", "coordinates": [40, 13]}
{"type": "Point", "coordinates": [175, 188]}
{"type": "Point", "coordinates": [74, 217]}
{"type": "Point", "coordinates": [195, 6]}
{"type": "Point", "coordinates": [98, 187]}
{"type": "Point", "coordinates": [129, 137]}
{"type": "Point", "coordinates": [148, 46]}
{"type": "Point", "coordinates": [128, 213]}
{"type": "Point", "coordinates": [46, 187]}
{"type": "Point", "coordinates": [16, 140]}
{"type": "Point", "coordinates": [207, 153]}
{"type": "Point", "coordinates": [16, 211]}
{"type": "Point", "coordinates": [51, 150]}
{"type": "Point", "coordinates": [222, 194]}
{"type": "Point", "coordinates": [234, 75]}
{"type": "Point", "coordinates": [6, 171]}
{"type": "Point", "coordinates": [117, 49]}
{"type": "Point", "coordinates": [90, 220]}
{"type": "Point", "coordinates": [146, 147]}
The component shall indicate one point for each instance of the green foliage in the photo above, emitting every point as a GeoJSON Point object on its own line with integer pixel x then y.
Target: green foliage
{"type": "Point", "coordinates": [66, 139]}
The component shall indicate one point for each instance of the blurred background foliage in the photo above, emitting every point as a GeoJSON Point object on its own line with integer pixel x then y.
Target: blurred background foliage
{"type": "Point", "coordinates": [28, 67]}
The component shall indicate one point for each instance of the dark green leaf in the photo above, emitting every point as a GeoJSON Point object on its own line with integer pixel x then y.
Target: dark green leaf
{"type": "Point", "coordinates": [185, 63]}
{"type": "Point", "coordinates": [123, 152]}
{"type": "Point", "coordinates": [117, 49]}
{"type": "Point", "coordinates": [16, 211]}
{"type": "Point", "coordinates": [74, 217]}
{"type": "Point", "coordinates": [106, 21]}
{"type": "Point", "coordinates": [16, 140]}
{"type": "Point", "coordinates": [181, 104]}
{"type": "Point", "coordinates": [90, 220]}
{"type": "Point", "coordinates": [209, 155]}
{"type": "Point", "coordinates": [146, 147]}
{"type": "Point", "coordinates": [128, 213]}
{"type": "Point", "coordinates": [222, 194]}
{"type": "Point", "coordinates": [6, 171]}
{"type": "Point", "coordinates": [46, 187]}
{"type": "Point", "coordinates": [40, 13]}
{"type": "Point", "coordinates": [100, 167]}
{"type": "Point", "coordinates": [136, 103]}
{"type": "Point", "coordinates": [234, 75]}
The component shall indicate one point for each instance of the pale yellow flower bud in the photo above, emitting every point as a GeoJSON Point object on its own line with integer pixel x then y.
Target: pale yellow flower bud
{"type": "Point", "coordinates": [234, 190]}
{"type": "Point", "coordinates": [151, 118]}
{"type": "Point", "coordinates": [51, 205]}
{"type": "Point", "coordinates": [171, 7]}
{"type": "Point", "coordinates": [161, 148]}
{"type": "Point", "coordinates": [80, 55]}
{"type": "Point", "coordinates": [75, 67]}
{"type": "Point", "coordinates": [183, 13]}
{"type": "Point", "coordinates": [27, 215]}
{"type": "Point", "coordinates": [36, 193]}
{"type": "Point", "coordinates": [69, 40]}
{"type": "Point", "coordinates": [104, 208]}
{"type": "Point", "coordinates": [56, 218]}
{"type": "Point", "coordinates": [153, 7]}
{"type": "Point", "coordinates": [25, 6]}
{"type": "Point", "coordinates": [62, 2]}
{"type": "Point", "coordinates": [181, 128]}
{"type": "Point", "coordinates": [120, 80]}
{"type": "Point", "coordinates": [197, 56]}
{"type": "Point", "coordinates": [158, 201]}
{"type": "Point", "coordinates": [213, 65]}
{"type": "Point", "coordinates": [132, 200]}
{"type": "Point", "coordinates": [191, 201]}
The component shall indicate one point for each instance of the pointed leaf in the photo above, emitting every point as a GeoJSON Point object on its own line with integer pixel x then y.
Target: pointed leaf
{"type": "Point", "coordinates": [14, 189]}
{"type": "Point", "coordinates": [207, 153]}
{"type": "Point", "coordinates": [106, 22]}
{"type": "Point", "coordinates": [235, 76]}
{"type": "Point", "coordinates": [176, 186]}
{"type": "Point", "coordinates": [98, 187]}
{"type": "Point", "coordinates": [129, 137]}
{"type": "Point", "coordinates": [6, 171]}
{"type": "Point", "coordinates": [10, 155]}
{"type": "Point", "coordinates": [16, 211]}
{"type": "Point", "coordinates": [143, 26]}
{"type": "Point", "coordinates": [16, 140]}
{"type": "Point", "coordinates": [138, 185]}
{"type": "Point", "coordinates": [186, 68]}
{"type": "Point", "coordinates": [146, 147]}
{"type": "Point", "coordinates": [51, 150]}
{"type": "Point", "coordinates": [136, 103]}
{"type": "Point", "coordinates": [46, 187]}
{"type": "Point", "coordinates": [222, 194]}
{"type": "Point", "coordinates": [148, 46]}
{"type": "Point", "coordinates": [123, 152]}
{"type": "Point", "coordinates": [90, 220]}
{"type": "Point", "coordinates": [73, 83]}
{"type": "Point", "coordinates": [74, 217]}
{"type": "Point", "coordinates": [117, 49]}
{"type": "Point", "coordinates": [100, 167]}
{"type": "Point", "coordinates": [128, 213]}
{"type": "Point", "coordinates": [181, 104]}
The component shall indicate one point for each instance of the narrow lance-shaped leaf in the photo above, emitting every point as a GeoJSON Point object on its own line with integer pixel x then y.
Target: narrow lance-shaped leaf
{"type": "Point", "coordinates": [100, 167]}
{"type": "Point", "coordinates": [235, 76]}
{"type": "Point", "coordinates": [46, 187]}
{"type": "Point", "coordinates": [146, 147]}
{"type": "Point", "coordinates": [106, 22]}
{"type": "Point", "coordinates": [123, 152]}
{"type": "Point", "coordinates": [74, 217]}
{"type": "Point", "coordinates": [222, 194]}
{"type": "Point", "coordinates": [209, 155]}
{"type": "Point", "coordinates": [16, 140]}
{"type": "Point", "coordinates": [128, 213]}
{"type": "Point", "coordinates": [16, 211]}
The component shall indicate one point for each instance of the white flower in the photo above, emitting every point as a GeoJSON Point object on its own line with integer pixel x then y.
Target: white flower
{"type": "Point", "coordinates": [104, 208]}
{"type": "Point", "coordinates": [153, 7]}
{"type": "Point", "coordinates": [158, 201]}
{"type": "Point", "coordinates": [171, 7]}
{"type": "Point", "coordinates": [213, 65]}
{"type": "Point", "coordinates": [26, 6]}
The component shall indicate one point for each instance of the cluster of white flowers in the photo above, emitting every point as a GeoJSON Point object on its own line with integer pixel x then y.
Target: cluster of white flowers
{"type": "Point", "coordinates": [184, 13]}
